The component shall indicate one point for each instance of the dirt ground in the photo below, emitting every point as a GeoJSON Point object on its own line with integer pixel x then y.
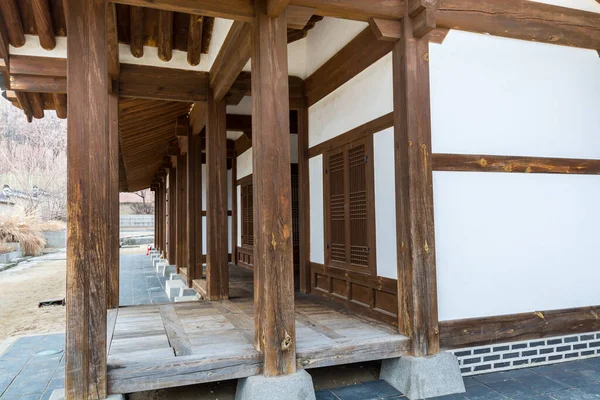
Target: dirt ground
{"type": "Point", "coordinates": [23, 287]}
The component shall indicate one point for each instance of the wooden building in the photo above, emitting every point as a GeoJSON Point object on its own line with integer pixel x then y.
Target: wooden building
{"type": "Point", "coordinates": [299, 151]}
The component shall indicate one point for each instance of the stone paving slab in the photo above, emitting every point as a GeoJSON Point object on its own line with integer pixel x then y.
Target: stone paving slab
{"type": "Point", "coordinates": [139, 283]}
{"type": "Point", "coordinates": [575, 380]}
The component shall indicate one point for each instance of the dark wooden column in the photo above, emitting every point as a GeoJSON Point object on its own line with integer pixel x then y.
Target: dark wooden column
{"type": "Point", "coordinates": [154, 190]}
{"type": "Point", "coordinates": [194, 207]}
{"type": "Point", "coordinates": [164, 213]}
{"type": "Point", "coordinates": [159, 196]}
{"type": "Point", "coordinates": [304, 198]}
{"type": "Point", "coordinates": [172, 201]}
{"type": "Point", "coordinates": [417, 300]}
{"type": "Point", "coordinates": [273, 253]}
{"type": "Point", "coordinates": [217, 269]}
{"type": "Point", "coordinates": [181, 261]}
{"type": "Point", "coordinates": [113, 197]}
{"type": "Point", "coordinates": [87, 200]}
{"type": "Point", "coordinates": [234, 210]}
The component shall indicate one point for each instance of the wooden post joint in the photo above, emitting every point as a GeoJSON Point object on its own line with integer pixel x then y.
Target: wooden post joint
{"type": "Point", "coordinates": [423, 14]}
{"type": "Point", "coordinates": [388, 30]}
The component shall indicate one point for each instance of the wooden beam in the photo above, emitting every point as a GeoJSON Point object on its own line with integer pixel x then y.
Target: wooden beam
{"type": "Point", "coordinates": [194, 47]}
{"type": "Point", "coordinates": [198, 117]}
{"type": "Point", "coordinates": [40, 66]}
{"type": "Point", "coordinates": [172, 201]}
{"type": "Point", "coordinates": [165, 35]}
{"type": "Point", "coordinates": [491, 163]}
{"type": "Point", "coordinates": [148, 82]}
{"type": "Point", "coordinates": [37, 104]}
{"type": "Point", "coordinates": [114, 65]}
{"type": "Point", "coordinates": [87, 201]}
{"type": "Point", "coordinates": [298, 16]}
{"type": "Point", "coordinates": [182, 216]}
{"type": "Point", "coordinates": [438, 35]}
{"type": "Point", "coordinates": [417, 292]}
{"type": "Point", "coordinates": [240, 10]}
{"type": "Point", "coordinates": [355, 10]}
{"type": "Point", "coordinates": [194, 207]}
{"type": "Point", "coordinates": [217, 272]}
{"type": "Point", "coordinates": [275, 7]}
{"type": "Point", "coordinates": [12, 20]}
{"type": "Point", "coordinates": [60, 104]}
{"type": "Point", "coordinates": [136, 34]}
{"type": "Point", "coordinates": [40, 84]}
{"type": "Point", "coordinates": [522, 19]}
{"type": "Point", "coordinates": [274, 326]}
{"type": "Point", "coordinates": [113, 197]}
{"type": "Point", "coordinates": [304, 199]}
{"type": "Point", "coordinates": [232, 58]}
{"type": "Point", "coordinates": [351, 60]}
{"type": "Point", "coordinates": [43, 23]}
{"type": "Point", "coordinates": [386, 29]}
{"type": "Point", "coordinates": [234, 210]}
{"type": "Point", "coordinates": [516, 327]}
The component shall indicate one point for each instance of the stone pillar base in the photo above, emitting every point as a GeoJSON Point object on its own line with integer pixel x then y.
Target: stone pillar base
{"type": "Point", "coordinates": [424, 377]}
{"type": "Point", "coordinates": [296, 386]}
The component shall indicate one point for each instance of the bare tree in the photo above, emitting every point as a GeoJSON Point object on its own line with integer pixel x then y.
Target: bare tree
{"type": "Point", "coordinates": [33, 159]}
{"type": "Point", "coordinates": [142, 208]}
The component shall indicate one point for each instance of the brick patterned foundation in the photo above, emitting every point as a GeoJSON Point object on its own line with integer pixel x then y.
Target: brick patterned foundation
{"type": "Point", "coordinates": [501, 357]}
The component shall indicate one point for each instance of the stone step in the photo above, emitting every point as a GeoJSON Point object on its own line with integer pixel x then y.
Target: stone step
{"type": "Point", "coordinates": [180, 299]}
{"type": "Point", "coordinates": [172, 287]}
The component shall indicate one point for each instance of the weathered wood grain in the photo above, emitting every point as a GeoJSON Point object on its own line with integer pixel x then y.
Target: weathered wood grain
{"type": "Point", "coordinates": [39, 84]}
{"type": "Point", "coordinates": [304, 199]}
{"type": "Point", "coordinates": [194, 49]}
{"type": "Point", "coordinates": [386, 29]}
{"type": "Point", "coordinates": [194, 207]}
{"type": "Point", "coordinates": [12, 20]}
{"type": "Point", "coordinates": [136, 28]}
{"type": "Point", "coordinates": [177, 337]}
{"type": "Point", "coordinates": [165, 35]}
{"type": "Point", "coordinates": [273, 252]}
{"type": "Point", "coordinates": [492, 163]}
{"type": "Point", "coordinates": [87, 201]}
{"type": "Point", "coordinates": [182, 217]}
{"type": "Point", "coordinates": [217, 273]}
{"type": "Point", "coordinates": [515, 327]}
{"type": "Point", "coordinates": [43, 22]}
{"type": "Point", "coordinates": [172, 201]}
{"type": "Point", "coordinates": [417, 288]}
{"type": "Point", "coordinates": [113, 272]}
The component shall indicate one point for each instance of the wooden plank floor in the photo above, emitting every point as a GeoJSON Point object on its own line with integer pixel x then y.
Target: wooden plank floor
{"type": "Point", "coordinates": [159, 346]}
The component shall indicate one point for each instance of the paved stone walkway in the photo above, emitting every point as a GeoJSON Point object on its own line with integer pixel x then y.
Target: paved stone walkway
{"type": "Point", "coordinates": [576, 380]}
{"type": "Point", "coordinates": [139, 283]}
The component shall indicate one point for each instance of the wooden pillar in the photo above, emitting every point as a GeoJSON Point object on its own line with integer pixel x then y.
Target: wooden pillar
{"type": "Point", "coordinates": [304, 198]}
{"type": "Point", "coordinates": [159, 194]}
{"type": "Point", "coordinates": [155, 191]}
{"type": "Point", "coordinates": [234, 210]}
{"type": "Point", "coordinates": [172, 251]}
{"type": "Point", "coordinates": [417, 299]}
{"type": "Point", "coordinates": [274, 324]}
{"type": "Point", "coordinates": [113, 156]}
{"type": "Point", "coordinates": [88, 214]}
{"type": "Point", "coordinates": [164, 214]}
{"type": "Point", "coordinates": [181, 261]}
{"type": "Point", "coordinates": [194, 207]}
{"type": "Point", "coordinates": [217, 269]}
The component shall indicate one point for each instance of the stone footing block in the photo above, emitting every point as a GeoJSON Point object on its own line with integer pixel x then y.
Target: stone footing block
{"type": "Point", "coordinates": [167, 270]}
{"type": "Point", "coordinates": [186, 291]}
{"type": "Point", "coordinates": [296, 386]}
{"type": "Point", "coordinates": [180, 299]}
{"type": "Point", "coordinates": [424, 377]}
{"type": "Point", "coordinates": [160, 266]}
{"type": "Point", "coordinates": [59, 394]}
{"type": "Point", "coordinates": [172, 288]}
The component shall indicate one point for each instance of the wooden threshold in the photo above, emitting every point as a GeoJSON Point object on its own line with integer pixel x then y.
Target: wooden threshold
{"type": "Point", "coordinates": [161, 346]}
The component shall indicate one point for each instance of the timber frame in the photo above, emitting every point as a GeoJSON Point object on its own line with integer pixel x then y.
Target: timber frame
{"type": "Point", "coordinates": [165, 124]}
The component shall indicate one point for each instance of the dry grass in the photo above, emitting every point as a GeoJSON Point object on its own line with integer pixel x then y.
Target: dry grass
{"type": "Point", "coordinates": [7, 247]}
{"type": "Point", "coordinates": [52, 226]}
{"type": "Point", "coordinates": [25, 229]}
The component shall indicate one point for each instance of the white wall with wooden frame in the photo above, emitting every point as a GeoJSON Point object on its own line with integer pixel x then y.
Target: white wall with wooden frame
{"type": "Point", "coordinates": [506, 243]}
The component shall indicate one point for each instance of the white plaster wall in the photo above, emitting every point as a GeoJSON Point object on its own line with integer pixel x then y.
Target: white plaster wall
{"type": "Point", "coordinates": [385, 204]}
{"type": "Point", "coordinates": [244, 164]}
{"type": "Point", "coordinates": [587, 5]}
{"type": "Point", "coordinates": [327, 38]}
{"type": "Point", "coordinates": [514, 98]}
{"type": "Point", "coordinates": [239, 215]}
{"type": "Point", "coordinates": [317, 250]}
{"type": "Point", "coordinates": [367, 96]}
{"type": "Point", "coordinates": [509, 243]}
{"type": "Point", "coordinates": [244, 108]}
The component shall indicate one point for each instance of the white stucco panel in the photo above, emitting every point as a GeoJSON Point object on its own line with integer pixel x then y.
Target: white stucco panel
{"type": "Point", "coordinates": [492, 95]}
{"type": "Point", "coordinates": [317, 250]}
{"type": "Point", "coordinates": [367, 96]}
{"type": "Point", "coordinates": [385, 204]}
{"type": "Point", "coordinates": [512, 243]}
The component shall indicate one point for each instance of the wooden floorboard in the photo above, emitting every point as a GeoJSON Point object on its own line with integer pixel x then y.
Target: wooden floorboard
{"type": "Point", "coordinates": [179, 344]}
